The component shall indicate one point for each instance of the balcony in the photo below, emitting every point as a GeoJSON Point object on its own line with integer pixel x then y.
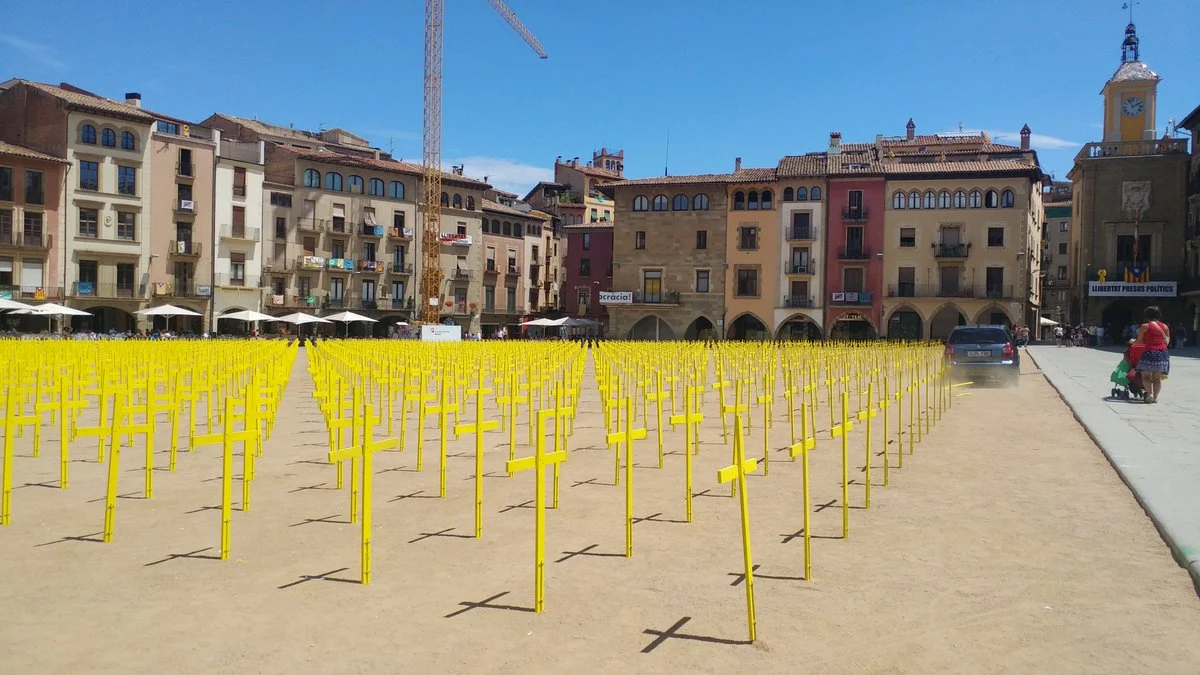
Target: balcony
{"type": "Point", "coordinates": [852, 215]}
{"type": "Point", "coordinates": [1117, 271]}
{"type": "Point", "coordinates": [373, 266]}
{"type": "Point", "coordinates": [338, 225]}
{"type": "Point", "coordinates": [802, 268]}
{"type": "Point", "coordinates": [371, 231]}
{"type": "Point", "coordinates": [228, 280]}
{"type": "Point", "coordinates": [34, 293]}
{"type": "Point", "coordinates": [801, 233]}
{"type": "Point", "coordinates": [854, 253]}
{"type": "Point", "coordinates": [1163, 146]}
{"type": "Point", "coordinates": [513, 271]}
{"type": "Point", "coordinates": [401, 233]}
{"type": "Point", "coordinates": [310, 263]}
{"type": "Point", "coordinates": [184, 249]}
{"type": "Point", "coordinates": [659, 298]}
{"type": "Point", "coordinates": [798, 301]}
{"type": "Point", "coordinates": [951, 251]}
{"type": "Point", "coordinates": [27, 240]}
{"type": "Point", "coordinates": [460, 274]}
{"type": "Point", "coordinates": [400, 268]}
{"type": "Point", "coordinates": [850, 298]}
{"type": "Point", "coordinates": [89, 289]}
{"type": "Point", "coordinates": [307, 224]}
{"type": "Point", "coordinates": [278, 265]}
{"type": "Point", "coordinates": [185, 206]}
{"type": "Point", "coordinates": [184, 288]}
{"type": "Point", "coordinates": [241, 233]}
{"type": "Point", "coordinates": [489, 267]}
{"type": "Point", "coordinates": [401, 303]}
{"type": "Point", "coordinates": [958, 291]}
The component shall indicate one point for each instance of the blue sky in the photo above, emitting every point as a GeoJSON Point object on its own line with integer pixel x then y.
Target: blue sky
{"type": "Point", "coordinates": [724, 79]}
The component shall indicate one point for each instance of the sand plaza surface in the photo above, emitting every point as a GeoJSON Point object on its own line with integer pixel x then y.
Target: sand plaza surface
{"type": "Point", "coordinates": [1005, 543]}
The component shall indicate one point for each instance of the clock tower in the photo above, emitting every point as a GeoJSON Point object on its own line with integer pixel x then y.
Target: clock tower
{"type": "Point", "coordinates": [1130, 95]}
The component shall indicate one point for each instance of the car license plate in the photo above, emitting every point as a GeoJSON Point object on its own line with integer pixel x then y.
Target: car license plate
{"type": "Point", "coordinates": [975, 354]}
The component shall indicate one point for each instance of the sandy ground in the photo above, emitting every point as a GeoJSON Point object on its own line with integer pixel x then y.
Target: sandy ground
{"type": "Point", "coordinates": [1005, 544]}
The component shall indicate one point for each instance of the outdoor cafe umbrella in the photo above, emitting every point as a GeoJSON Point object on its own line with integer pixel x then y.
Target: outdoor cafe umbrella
{"type": "Point", "coordinates": [300, 318]}
{"type": "Point", "coordinates": [13, 304]}
{"type": "Point", "coordinates": [50, 309]}
{"type": "Point", "coordinates": [167, 311]}
{"type": "Point", "coordinates": [347, 317]}
{"type": "Point", "coordinates": [246, 315]}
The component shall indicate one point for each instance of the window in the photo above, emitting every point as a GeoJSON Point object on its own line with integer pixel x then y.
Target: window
{"type": "Point", "coordinates": [702, 281]}
{"type": "Point", "coordinates": [507, 228]}
{"type": "Point", "coordinates": [237, 269]}
{"type": "Point", "coordinates": [281, 199]}
{"type": "Point", "coordinates": [587, 241]}
{"type": "Point", "coordinates": [89, 175]}
{"type": "Point", "coordinates": [128, 141]}
{"type": "Point", "coordinates": [1062, 248]}
{"type": "Point", "coordinates": [333, 181]}
{"type": "Point", "coordinates": [943, 200]}
{"type": "Point", "coordinates": [456, 202]}
{"type": "Point", "coordinates": [960, 200]}
{"type": "Point", "coordinates": [33, 188]}
{"type": "Point", "coordinates": [510, 298]}
{"type": "Point", "coordinates": [167, 128]}
{"type": "Point", "coordinates": [127, 180]}
{"type": "Point", "coordinates": [906, 282]}
{"type": "Point", "coordinates": [815, 194]}
{"type": "Point", "coordinates": [1064, 226]}
{"type": "Point", "coordinates": [701, 239]}
{"type": "Point", "coordinates": [640, 203]}
{"type": "Point", "coordinates": [991, 200]}
{"type": "Point", "coordinates": [126, 226]}
{"type": "Point", "coordinates": [337, 249]}
{"type": "Point", "coordinates": [976, 199]}
{"type": "Point", "coordinates": [752, 200]}
{"type": "Point", "coordinates": [748, 238]}
{"type": "Point", "coordinates": [585, 267]}
{"type": "Point", "coordinates": [700, 202]}
{"type": "Point", "coordinates": [125, 275]}
{"type": "Point", "coordinates": [33, 225]}
{"type": "Point", "coordinates": [914, 200]}
{"type": "Point", "coordinates": [679, 203]}
{"type": "Point", "coordinates": [398, 221]}
{"type": "Point", "coordinates": [584, 297]}
{"type": "Point", "coordinates": [994, 280]}
{"type": "Point", "coordinates": [739, 201]}
{"type": "Point", "coordinates": [768, 202]}
{"type": "Point", "coordinates": [87, 134]}
{"type": "Point", "coordinates": [470, 203]}
{"type": "Point", "coordinates": [89, 271]}
{"type": "Point", "coordinates": [108, 138]}
{"type": "Point", "coordinates": [898, 200]}
{"type": "Point", "coordinates": [929, 200]}
{"type": "Point", "coordinates": [396, 190]}
{"type": "Point", "coordinates": [659, 204]}
{"type": "Point", "coordinates": [1007, 199]}
{"type": "Point", "coordinates": [87, 223]}
{"type": "Point", "coordinates": [239, 181]}
{"type": "Point", "coordinates": [280, 227]}
{"type": "Point", "coordinates": [908, 237]}
{"type": "Point", "coordinates": [802, 194]}
{"type": "Point", "coordinates": [789, 194]}
{"type": "Point", "coordinates": [639, 239]}
{"type": "Point", "coordinates": [652, 286]}
{"type": "Point", "coordinates": [312, 178]}
{"type": "Point", "coordinates": [852, 279]}
{"type": "Point", "coordinates": [5, 184]}
{"type": "Point", "coordinates": [1062, 271]}
{"type": "Point", "coordinates": [747, 282]}
{"type": "Point", "coordinates": [995, 236]}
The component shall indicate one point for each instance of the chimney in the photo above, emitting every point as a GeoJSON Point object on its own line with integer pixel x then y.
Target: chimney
{"type": "Point", "coordinates": [737, 163]}
{"type": "Point", "coordinates": [558, 160]}
{"type": "Point", "coordinates": [835, 142]}
{"type": "Point", "coordinates": [1025, 134]}
{"type": "Point", "coordinates": [912, 129]}
{"type": "Point", "coordinates": [134, 99]}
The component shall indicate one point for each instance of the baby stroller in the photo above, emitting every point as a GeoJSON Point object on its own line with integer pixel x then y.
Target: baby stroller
{"type": "Point", "coordinates": [1126, 380]}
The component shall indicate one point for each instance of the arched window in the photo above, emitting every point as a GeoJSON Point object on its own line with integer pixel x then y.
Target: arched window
{"type": "Point", "coordinates": [445, 199]}
{"type": "Point", "coordinates": [87, 134]}
{"type": "Point", "coordinates": [396, 190]}
{"type": "Point", "coordinates": [108, 138]}
{"type": "Point", "coordinates": [976, 199]}
{"type": "Point", "coordinates": [815, 194]}
{"type": "Point", "coordinates": [897, 200]}
{"type": "Point", "coordinates": [679, 203]}
{"type": "Point", "coordinates": [375, 187]}
{"type": "Point", "coordinates": [802, 194]}
{"type": "Point", "coordinates": [752, 200]}
{"type": "Point", "coordinates": [700, 202]}
{"type": "Point", "coordinates": [659, 203]}
{"type": "Point", "coordinates": [356, 185]}
{"type": "Point", "coordinates": [929, 199]}
{"type": "Point", "coordinates": [789, 194]}
{"type": "Point", "coordinates": [1007, 199]}
{"type": "Point", "coordinates": [739, 201]}
{"type": "Point", "coordinates": [496, 226]}
{"type": "Point", "coordinates": [944, 199]}
{"type": "Point", "coordinates": [312, 178]}
{"type": "Point", "coordinates": [470, 203]}
{"type": "Point", "coordinates": [991, 200]}
{"type": "Point", "coordinates": [640, 203]}
{"type": "Point", "coordinates": [507, 228]}
{"type": "Point", "coordinates": [960, 199]}
{"type": "Point", "coordinates": [457, 201]}
{"type": "Point", "coordinates": [333, 181]}
{"type": "Point", "coordinates": [768, 198]}
{"type": "Point", "coordinates": [914, 200]}
{"type": "Point", "coordinates": [128, 142]}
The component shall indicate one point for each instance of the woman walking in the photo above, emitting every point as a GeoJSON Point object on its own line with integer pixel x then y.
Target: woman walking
{"type": "Point", "coordinates": [1155, 364]}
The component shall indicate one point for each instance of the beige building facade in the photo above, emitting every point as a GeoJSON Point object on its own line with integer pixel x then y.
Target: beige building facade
{"type": "Point", "coordinates": [752, 253]}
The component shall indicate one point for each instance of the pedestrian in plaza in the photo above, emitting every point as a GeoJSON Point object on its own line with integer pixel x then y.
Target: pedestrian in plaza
{"type": "Point", "coordinates": [1155, 365]}
{"type": "Point", "coordinates": [1058, 335]}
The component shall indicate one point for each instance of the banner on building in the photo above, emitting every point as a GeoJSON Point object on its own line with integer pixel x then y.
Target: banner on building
{"type": "Point", "coordinates": [1123, 289]}
{"type": "Point", "coordinates": [616, 297]}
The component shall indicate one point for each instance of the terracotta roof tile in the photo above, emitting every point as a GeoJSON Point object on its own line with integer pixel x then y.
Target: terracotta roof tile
{"type": "Point", "coordinates": [756, 175]}
{"type": "Point", "coordinates": [267, 129]}
{"type": "Point", "coordinates": [21, 151]}
{"type": "Point", "coordinates": [695, 179]}
{"type": "Point", "coordinates": [92, 103]}
{"type": "Point", "coordinates": [993, 166]}
{"type": "Point", "coordinates": [594, 171]}
{"type": "Point", "coordinates": [793, 166]}
{"type": "Point", "coordinates": [389, 165]}
{"type": "Point", "coordinates": [497, 207]}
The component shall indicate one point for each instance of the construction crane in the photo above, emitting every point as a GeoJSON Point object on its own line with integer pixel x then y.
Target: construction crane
{"type": "Point", "coordinates": [431, 158]}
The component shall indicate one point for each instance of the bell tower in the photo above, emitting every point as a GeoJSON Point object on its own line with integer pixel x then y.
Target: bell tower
{"type": "Point", "coordinates": [1130, 95]}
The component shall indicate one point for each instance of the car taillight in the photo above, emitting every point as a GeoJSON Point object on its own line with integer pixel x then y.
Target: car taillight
{"type": "Point", "coordinates": [949, 350]}
{"type": "Point", "coordinates": [1007, 351]}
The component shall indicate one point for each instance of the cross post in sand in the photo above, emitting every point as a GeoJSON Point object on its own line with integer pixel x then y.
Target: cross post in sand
{"type": "Point", "coordinates": [538, 462]}
{"type": "Point", "coordinates": [736, 472]}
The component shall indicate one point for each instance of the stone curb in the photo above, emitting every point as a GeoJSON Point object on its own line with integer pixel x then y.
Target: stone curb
{"type": "Point", "coordinates": [1115, 439]}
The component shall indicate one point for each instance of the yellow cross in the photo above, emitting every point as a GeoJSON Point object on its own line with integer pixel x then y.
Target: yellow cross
{"type": "Point", "coordinates": [689, 419]}
{"type": "Point", "coordinates": [736, 473]}
{"type": "Point", "coordinates": [657, 397]}
{"type": "Point", "coordinates": [365, 452]}
{"type": "Point", "coordinates": [227, 437]}
{"type": "Point", "coordinates": [538, 462]}
{"type": "Point", "coordinates": [801, 449]}
{"type": "Point", "coordinates": [443, 411]}
{"type": "Point", "coordinates": [562, 412]}
{"type": "Point", "coordinates": [627, 437]}
{"type": "Point", "coordinates": [478, 427]}
{"type": "Point", "coordinates": [511, 398]}
{"type": "Point", "coordinates": [13, 421]}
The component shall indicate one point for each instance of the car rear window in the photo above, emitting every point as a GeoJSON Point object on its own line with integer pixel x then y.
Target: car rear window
{"type": "Point", "coordinates": [978, 336]}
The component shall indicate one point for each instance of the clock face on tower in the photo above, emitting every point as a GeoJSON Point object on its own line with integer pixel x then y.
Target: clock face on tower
{"type": "Point", "coordinates": [1132, 106]}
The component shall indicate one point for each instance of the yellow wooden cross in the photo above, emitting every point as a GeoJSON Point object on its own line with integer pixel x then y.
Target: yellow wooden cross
{"type": "Point", "coordinates": [478, 427]}
{"type": "Point", "coordinates": [657, 397]}
{"type": "Point", "coordinates": [843, 430]}
{"type": "Point", "coordinates": [562, 413]}
{"type": "Point", "coordinates": [720, 385]}
{"type": "Point", "coordinates": [365, 452]}
{"type": "Point", "coordinates": [510, 403]}
{"type": "Point", "coordinates": [13, 421]}
{"type": "Point", "coordinates": [443, 410]}
{"type": "Point", "coordinates": [120, 427]}
{"type": "Point", "coordinates": [690, 419]}
{"type": "Point", "coordinates": [538, 462]}
{"type": "Point", "coordinates": [801, 449]}
{"type": "Point", "coordinates": [627, 437]}
{"type": "Point", "coordinates": [736, 473]}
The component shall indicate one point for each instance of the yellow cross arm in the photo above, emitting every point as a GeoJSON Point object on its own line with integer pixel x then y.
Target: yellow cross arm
{"type": "Point", "coordinates": [864, 414]}
{"type": "Point", "coordinates": [684, 419]}
{"type": "Point", "coordinates": [619, 436]}
{"type": "Point", "coordinates": [730, 472]}
{"type": "Point", "coordinates": [476, 427]}
{"type": "Point", "coordinates": [837, 429]}
{"type": "Point", "coordinates": [381, 445]}
{"type": "Point", "coordinates": [515, 465]}
{"type": "Point", "coordinates": [802, 446]}
{"type": "Point", "coordinates": [208, 439]}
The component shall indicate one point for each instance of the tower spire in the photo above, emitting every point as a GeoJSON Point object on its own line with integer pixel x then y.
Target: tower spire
{"type": "Point", "coordinates": [1129, 48]}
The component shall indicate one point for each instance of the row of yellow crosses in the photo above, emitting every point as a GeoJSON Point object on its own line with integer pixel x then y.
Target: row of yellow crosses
{"type": "Point", "coordinates": [119, 392]}
{"type": "Point", "coordinates": [360, 387]}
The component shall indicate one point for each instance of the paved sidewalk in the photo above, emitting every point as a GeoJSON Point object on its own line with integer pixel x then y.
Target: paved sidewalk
{"type": "Point", "coordinates": [1154, 448]}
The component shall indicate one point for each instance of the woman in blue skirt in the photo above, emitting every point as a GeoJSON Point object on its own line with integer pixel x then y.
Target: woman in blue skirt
{"type": "Point", "coordinates": [1155, 365]}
